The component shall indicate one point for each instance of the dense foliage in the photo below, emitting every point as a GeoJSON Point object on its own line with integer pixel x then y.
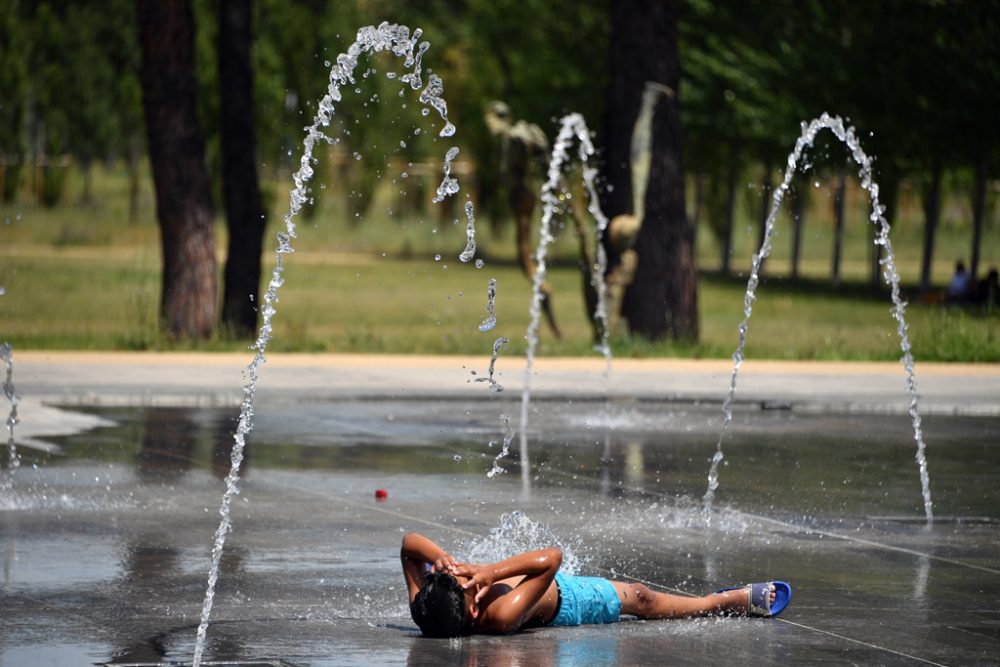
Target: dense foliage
{"type": "Point", "coordinates": [920, 78]}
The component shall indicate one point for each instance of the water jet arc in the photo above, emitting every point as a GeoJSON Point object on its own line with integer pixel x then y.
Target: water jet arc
{"type": "Point", "coordinates": [392, 38]}
{"type": "Point", "coordinates": [847, 136]}
{"type": "Point", "coordinates": [571, 126]}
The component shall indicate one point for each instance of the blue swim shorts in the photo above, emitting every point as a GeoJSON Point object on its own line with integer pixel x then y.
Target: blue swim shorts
{"type": "Point", "coordinates": [586, 600]}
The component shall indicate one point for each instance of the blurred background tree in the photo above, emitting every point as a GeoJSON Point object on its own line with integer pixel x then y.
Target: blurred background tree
{"type": "Point", "coordinates": [177, 155]}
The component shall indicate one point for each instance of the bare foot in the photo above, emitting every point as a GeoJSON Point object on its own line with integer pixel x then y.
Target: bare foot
{"type": "Point", "coordinates": [738, 601]}
{"type": "Point", "coordinates": [771, 595]}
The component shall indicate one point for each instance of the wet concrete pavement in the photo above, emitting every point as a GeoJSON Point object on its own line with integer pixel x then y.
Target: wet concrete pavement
{"type": "Point", "coordinates": [105, 540]}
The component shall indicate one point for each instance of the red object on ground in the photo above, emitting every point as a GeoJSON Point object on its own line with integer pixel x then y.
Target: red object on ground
{"type": "Point", "coordinates": [381, 494]}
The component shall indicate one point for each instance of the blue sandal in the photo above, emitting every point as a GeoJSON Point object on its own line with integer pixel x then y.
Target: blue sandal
{"type": "Point", "coordinates": [758, 598]}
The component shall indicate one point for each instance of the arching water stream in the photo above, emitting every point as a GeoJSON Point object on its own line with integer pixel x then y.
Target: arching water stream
{"type": "Point", "coordinates": [399, 41]}
{"type": "Point", "coordinates": [572, 127]}
{"type": "Point", "coordinates": [846, 135]}
{"type": "Point", "coordinates": [7, 357]}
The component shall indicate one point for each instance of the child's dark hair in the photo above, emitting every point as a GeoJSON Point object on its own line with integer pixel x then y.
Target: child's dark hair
{"type": "Point", "coordinates": [439, 607]}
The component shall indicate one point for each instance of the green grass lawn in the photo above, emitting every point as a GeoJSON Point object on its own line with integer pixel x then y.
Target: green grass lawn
{"type": "Point", "coordinates": [80, 277]}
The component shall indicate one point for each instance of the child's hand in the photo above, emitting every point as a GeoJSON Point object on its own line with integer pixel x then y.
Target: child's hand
{"type": "Point", "coordinates": [445, 563]}
{"type": "Point", "coordinates": [481, 577]}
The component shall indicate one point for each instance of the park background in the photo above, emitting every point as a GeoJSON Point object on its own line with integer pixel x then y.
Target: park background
{"type": "Point", "coordinates": [80, 253]}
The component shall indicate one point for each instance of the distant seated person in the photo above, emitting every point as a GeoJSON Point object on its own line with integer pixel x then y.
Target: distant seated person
{"type": "Point", "coordinates": [987, 291]}
{"type": "Point", "coordinates": [958, 288]}
{"type": "Point", "coordinates": [451, 599]}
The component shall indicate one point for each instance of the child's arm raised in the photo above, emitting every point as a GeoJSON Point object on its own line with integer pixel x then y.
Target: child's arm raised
{"type": "Point", "coordinates": [510, 611]}
{"type": "Point", "coordinates": [415, 554]}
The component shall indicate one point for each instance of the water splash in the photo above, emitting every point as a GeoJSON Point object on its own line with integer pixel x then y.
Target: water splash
{"type": "Point", "coordinates": [846, 135]}
{"type": "Point", "coordinates": [470, 233]}
{"type": "Point", "coordinates": [387, 37]}
{"type": "Point", "coordinates": [491, 317]}
{"type": "Point", "coordinates": [449, 184]}
{"type": "Point", "coordinates": [495, 386]}
{"type": "Point", "coordinates": [7, 357]}
{"type": "Point", "coordinates": [572, 126]}
{"type": "Point", "coordinates": [507, 438]}
{"type": "Point", "coordinates": [518, 533]}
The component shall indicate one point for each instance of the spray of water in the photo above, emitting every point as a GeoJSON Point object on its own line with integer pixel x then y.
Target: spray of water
{"type": "Point", "coordinates": [846, 135]}
{"type": "Point", "coordinates": [399, 41]}
{"type": "Point", "coordinates": [518, 533]}
{"type": "Point", "coordinates": [7, 357]}
{"type": "Point", "coordinates": [491, 297]}
{"type": "Point", "coordinates": [508, 436]}
{"type": "Point", "coordinates": [495, 386]}
{"type": "Point", "coordinates": [449, 184]}
{"type": "Point", "coordinates": [470, 233]}
{"type": "Point", "coordinates": [572, 127]}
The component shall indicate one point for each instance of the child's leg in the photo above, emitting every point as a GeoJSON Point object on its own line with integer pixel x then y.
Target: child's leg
{"type": "Point", "coordinates": [639, 600]}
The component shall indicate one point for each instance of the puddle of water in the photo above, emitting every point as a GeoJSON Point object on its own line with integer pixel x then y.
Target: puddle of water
{"type": "Point", "coordinates": [779, 461]}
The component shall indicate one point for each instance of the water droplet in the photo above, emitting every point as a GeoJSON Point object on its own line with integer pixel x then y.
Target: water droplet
{"type": "Point", "coordinates": [480, 263]}
{"type": "Point", "coordinates": [458, 457]}
{"type": "Point", "coordinates": [437, 258]}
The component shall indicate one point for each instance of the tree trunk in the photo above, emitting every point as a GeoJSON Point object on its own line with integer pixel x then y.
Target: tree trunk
{"type": "Point", "coordinates": [587, 263]}
{"type": "Point", "coordinates": [839, 195]}
{"type": "Point", "coordinates": [636, 55]}
{"type": "Point", "coordinates": [766, 186]}
{"type": "Point", "coordinates": [727, 238]}
{"type": "Point", "coordinates": [799, 200]}
{"type": "Point", "coordinates": [134, 158]}
{"type": "Point", "coordinates": [241, 192]}
{"type": "Point", "coordinates": [630, 68]}
{"type": "Point", "coordinates": [662, 300]}
{"type": "Point", "coordinates": [932, 212]}
{"type": "Point", "coordinates": [177, 154]}
{"type": "Point", "coordinates": [978, 213]}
